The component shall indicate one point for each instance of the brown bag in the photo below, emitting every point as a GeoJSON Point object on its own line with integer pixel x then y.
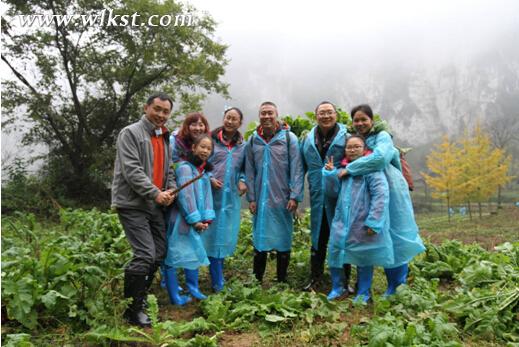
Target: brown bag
{"type": "Point", "coordinates": [406, 171]}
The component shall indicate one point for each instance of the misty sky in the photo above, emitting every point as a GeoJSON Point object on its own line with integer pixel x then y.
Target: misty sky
{"type": "Point", "coordinates": [300, 53]}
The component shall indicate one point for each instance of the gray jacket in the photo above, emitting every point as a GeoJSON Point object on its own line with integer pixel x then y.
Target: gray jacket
{"type": "Point", "coordinates": [133, 186]}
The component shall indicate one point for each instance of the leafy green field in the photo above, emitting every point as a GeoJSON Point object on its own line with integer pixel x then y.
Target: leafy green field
{"type": "Point", "coordinates": [62, 285]}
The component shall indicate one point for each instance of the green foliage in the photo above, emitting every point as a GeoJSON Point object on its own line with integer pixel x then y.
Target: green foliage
{"type": "Point", "coordinates": [18, 340]}
{"type": "Point", "coordinates": [71, 274]}
{"type": "Point", "coordinates": [166, 333]}
{"type": "Point", "coordinates": [251, 127]}
{"type": "Point", "coordinates": [243, 305]}
{"type": "Point", "coordinates": [29, 193]}
{"type": "Point", "coordinates": [446, 260]}
{"type": "Point", "coordinates": [488, 299]}
{"type": "Point", "coordinates": [300, 126]}
{"type": "Point", "coordinates": [86, 84]}
{"type": "Point", "coordinates": [69, 277]}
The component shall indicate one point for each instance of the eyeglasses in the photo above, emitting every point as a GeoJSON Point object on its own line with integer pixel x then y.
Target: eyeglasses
{"type": "Point", "coordinates": [349, 148]}
{"type": "Point", "coordinates": [326, 113]}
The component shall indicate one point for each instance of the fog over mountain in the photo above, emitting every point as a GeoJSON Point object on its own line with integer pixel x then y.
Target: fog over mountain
{"type": "Point", "coordinates": [429, 69]}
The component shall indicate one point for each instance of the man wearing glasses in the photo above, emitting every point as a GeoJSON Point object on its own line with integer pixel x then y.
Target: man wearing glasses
{"type": "Point", "coordinates": [324, 141]}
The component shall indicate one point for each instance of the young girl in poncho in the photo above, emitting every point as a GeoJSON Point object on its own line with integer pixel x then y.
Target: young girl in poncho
{"type": "Point", "coordinates": [191, 216]}
{"type": "Point", "coordinates": [359, 234]}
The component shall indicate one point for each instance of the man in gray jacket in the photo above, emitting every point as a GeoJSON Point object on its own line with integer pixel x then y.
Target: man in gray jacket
{"type": "Point", "coordinates": [142, 187]}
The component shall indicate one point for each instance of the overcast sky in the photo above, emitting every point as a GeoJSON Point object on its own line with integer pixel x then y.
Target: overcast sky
{"type": "Point", "coordinates": [299, 53]}
{"type": "Point", "coordinates": [279, 48]}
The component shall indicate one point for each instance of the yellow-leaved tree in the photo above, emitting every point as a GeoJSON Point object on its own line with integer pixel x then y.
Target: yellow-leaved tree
{"type": "Point", "coordinates": [467, 171]}
{"type": "Point", "coordinates": [485, 167]}
{"type": "Point", "coordinates": [443, 162]}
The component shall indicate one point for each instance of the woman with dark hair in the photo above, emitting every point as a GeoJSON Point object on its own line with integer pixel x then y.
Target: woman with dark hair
{"type": "Point", "coordinates": [228, 182]}
{"type": "Point", "coordinates": [403, 229]}
{"type": "Point", "coordinates": [193, 126]}
{"type": "Point", "coordinates": [189, 217]}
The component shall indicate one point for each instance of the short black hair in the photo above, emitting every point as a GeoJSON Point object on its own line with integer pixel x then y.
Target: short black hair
{"type": "Point", "coordinates": [364, 108]}
{"type": "Point", "coordinates": [162, 96]}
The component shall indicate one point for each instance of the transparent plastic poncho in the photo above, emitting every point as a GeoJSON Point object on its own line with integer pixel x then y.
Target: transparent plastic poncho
{"type": "Point", "coordinates": [403, 229]}
{"type": "Point", "coordinates": [222, 236]}
{"type": "Point", "coordinates": [194, 204]}
{"type": "Point", "coordinates": [274, 173]}
{"type": "Point", "coordinates": [362, 203]}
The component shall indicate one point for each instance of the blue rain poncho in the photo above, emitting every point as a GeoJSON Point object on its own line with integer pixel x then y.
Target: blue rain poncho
{"type": "Point", "coordinates": [402, 225]}
{"type": "Point", "coordinates": [194, 204]}
{"type": "Point", "coordinates": [274, 173]}
{"type": "Point", "coordinates": [313, 165]}
{"type": "Point", "coordinates": [228, 164]}
{"type": "Point", "coordinates": [362, 203]}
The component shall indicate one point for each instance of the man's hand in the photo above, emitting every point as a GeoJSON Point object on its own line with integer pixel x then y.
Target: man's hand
{"type": "Point", "coordinates": [201, 226]}
{"type": "Point", "coordinates": [329, 163]}
{"type": "Point", "coordinates": [252, 207]}
{"type": "Point", "coordinates": [370, 232]}
{"type": "Point", "coordinates": [216, 183]}
{"type": "Point", "coordinates": [292, 205]}
{"type": "Point", "coordinates": [342, 173]}
{"type": "Point", "coordinates": [242, 188]}
{"type": "Point", "coordinates": [165, 198]}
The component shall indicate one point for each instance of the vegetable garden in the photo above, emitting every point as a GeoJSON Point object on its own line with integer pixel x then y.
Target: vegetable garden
{"type": "Point", "coordinates": [62, 284]}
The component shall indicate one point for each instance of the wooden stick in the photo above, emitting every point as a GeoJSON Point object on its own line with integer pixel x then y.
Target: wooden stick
{"type": "Point", "coordinates": [191, 181]}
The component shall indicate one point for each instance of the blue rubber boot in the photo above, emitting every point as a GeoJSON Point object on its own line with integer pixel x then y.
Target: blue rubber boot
{"type": "Point", "coordinates": [395, 277]}
{"type": "Point", "coordinates": [337, 275]}
{"type": "Point", "coordinates": [192, 284]}
{"type": "Point", "coordinates": [170, 277]}
{"type": "Point", "coordinates": [216, 272]}
{"type": "Point", "coordinates": [364, 278]}
{"type": "Point", "coordinates": [163, 279]}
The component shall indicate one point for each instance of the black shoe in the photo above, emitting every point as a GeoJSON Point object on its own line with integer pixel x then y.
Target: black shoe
{"type": "Point", "coordinates": [283, 258]}
{"type": "Point", "coordinates": [259, 265]}
{"type": "Point", "coordinates": [135, 288]}
{"type": "Point", "coordinates": [313, 285]}
{"type": "Point", "coordinates": [316, 271]}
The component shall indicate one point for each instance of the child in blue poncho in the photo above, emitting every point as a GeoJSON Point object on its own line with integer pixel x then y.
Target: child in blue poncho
{"type": "Point", "coordinates": [359, 233]}
{"type": "Point", "coordinates": [191, 216]}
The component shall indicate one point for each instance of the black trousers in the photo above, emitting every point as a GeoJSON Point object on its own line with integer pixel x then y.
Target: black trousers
{"type": "Point", "coordinates": [319, 254]}
{"type": "Point", "coordinates": [146, 233]}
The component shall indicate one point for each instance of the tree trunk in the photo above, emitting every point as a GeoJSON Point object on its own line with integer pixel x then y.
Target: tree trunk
{"type": "Point", "coordinates": [470, 209]}
{"type": "Point", "coordinates": [499, 207]}
{"type": "Point", "coordinates": [479, 208]}
{"type": "Point", "coordinates": [448, 209]}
